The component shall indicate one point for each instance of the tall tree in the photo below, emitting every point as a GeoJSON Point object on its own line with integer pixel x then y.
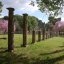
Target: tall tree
{"type": "Point", "coordinates": [40, 24]}
{"type": "Point", "coordinates": [54, 6]}
{"type": "Point", "coordinates": [32, 22]}
{"type": "Point", "coordinates": [52, 19]}
{"type": "Point", "coordinates": [18, 19]}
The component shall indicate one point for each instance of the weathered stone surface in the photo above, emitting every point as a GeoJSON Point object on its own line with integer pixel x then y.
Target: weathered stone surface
{"type": "Point", "coordinates": [25, 28]}
{"type": "Point", "coordinates": [10, 30]}
{"type": "Point", "coordinates": [39, 35]}
{"type": "Point", "coordinates": [33, 36]}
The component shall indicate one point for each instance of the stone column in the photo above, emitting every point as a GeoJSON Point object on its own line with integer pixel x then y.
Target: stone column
{"type": "Point", "coordinates": [10, 30]}
{"type": "Point", "coordinates": [46, 35]}
{"type": "Point", "coordinates": [39, 35]}
{"type": "Point", "coordinates": [59, 33]}
{"type": "Point", "coordinates": [43, 35]}
{"type": "Point", "coordinates": [33, 36]}
{"type": "Point", "coordinates": [43, 32]}
{"type": "Point", "coordinates": [50, 33]}
{"type": "Point", "coordinates": [25, 29]}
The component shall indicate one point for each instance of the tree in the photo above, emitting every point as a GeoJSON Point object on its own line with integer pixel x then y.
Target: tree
{"type": "Point", "coordinates": [52, 6]}
{"type": "Point", "coordinates": [5, 17]}
{"type": "Point", "coordinates": [59, 26]}
{"type": "Point", "coordinates": [4, 26]}
{"type": "Point", "coordinates": [1, 5]}
{"type": "Point", "coordinates": [47, 26]}
{"type": "Point", "coordinates": [19, 23]}
{"type": "Point", "coordinates": [19, 19]}
{"type": "Point", "coordinates": [40, 24]}
{"type": "Point", "coordinates": [32, 23]}
{"type": "Point", "coordinates": [53, 20]}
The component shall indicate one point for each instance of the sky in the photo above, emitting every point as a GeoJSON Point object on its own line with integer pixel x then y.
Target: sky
{"type": "Point", "coordinates": [23, 6]}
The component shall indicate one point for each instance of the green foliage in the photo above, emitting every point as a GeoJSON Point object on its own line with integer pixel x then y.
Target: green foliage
{"type": "Point", "coordinates": [50, 51]}
{"type": "Point", "coordinates": [47, 26]}
{"type": "Point", "coordinates": [19, 20]}
{"type": "Point", "coordinates": [51, 5]}
{"type": "Point", "coordinates": [52, 19]}
{"type": "Point", "coordinates": [40, 24]}
{"type": "Point", "coordinates": [32, 23]}
{"type": "Point", "coordinates": [5, 17]}
{"type": "Point", "coordinates": [32, 3]}
{"type": "Point", "coordinates": [1, 5]}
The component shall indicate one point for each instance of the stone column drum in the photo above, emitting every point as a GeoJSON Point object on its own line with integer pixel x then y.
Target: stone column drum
{"type": "Point", "coordinates": [33, 36]}
{"type": "Point", "coordinates": [25, 29]}
{"type": "Point", "coordinates": [10, 30]}
{"type": "Point", "coordinates": [39, 35]}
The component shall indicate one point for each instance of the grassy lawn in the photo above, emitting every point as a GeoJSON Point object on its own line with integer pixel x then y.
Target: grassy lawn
{"type": "Point", "coordinates": [50, 51]}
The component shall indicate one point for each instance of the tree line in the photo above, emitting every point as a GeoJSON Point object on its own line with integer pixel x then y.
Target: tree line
{"type": "Point", "coordinates": [33, 23]}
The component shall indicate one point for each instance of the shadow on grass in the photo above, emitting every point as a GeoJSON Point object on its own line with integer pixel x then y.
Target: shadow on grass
{"type": "Point", "coordinates": [13, 58]}
{"type": "Point", "coordinates": [61, 46]}
{"type": "Point", "coordinates": [52, 61]}
{"type": "Point", "coordinates": [2, 48]}
{"type": "Point", "coordinates": [19, 46]}
{"type": "Point", "coordinates": [57, 51]}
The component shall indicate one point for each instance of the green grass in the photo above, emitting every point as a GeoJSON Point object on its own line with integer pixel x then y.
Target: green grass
{"type": "Point", "coordinates": [50, 51]}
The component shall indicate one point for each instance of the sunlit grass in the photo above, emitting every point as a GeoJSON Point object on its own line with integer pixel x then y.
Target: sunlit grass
{"type": "Point", "coordinates": [50, 51]}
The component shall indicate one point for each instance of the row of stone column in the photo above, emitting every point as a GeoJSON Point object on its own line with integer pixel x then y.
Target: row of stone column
{"type": "Point", "coordinates": [42, 35]}
{"type": "Point", "coordinates": [61, 34]}
{"type": "Point", "coordinates": [25, 29]}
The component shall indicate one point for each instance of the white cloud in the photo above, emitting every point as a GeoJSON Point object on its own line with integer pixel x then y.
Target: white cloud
{"type": "Point", "coordinates": [1, 16]}
{"type": "Point", "coordinates": [22, 5]}
{"type": "Point", "coordinates": [29, 8]}
{"type": "Point", "coordinates": [40, 18]}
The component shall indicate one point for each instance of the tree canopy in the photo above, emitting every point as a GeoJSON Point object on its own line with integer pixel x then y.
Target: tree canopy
{"type": "Point", "coordinates": [33, 22]}
{"type": "Point", "coordinates": [52, 6]}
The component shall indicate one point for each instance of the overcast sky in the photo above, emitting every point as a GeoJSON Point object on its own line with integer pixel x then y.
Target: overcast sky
{"type": "Point", "coordinates": [22, 6]}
